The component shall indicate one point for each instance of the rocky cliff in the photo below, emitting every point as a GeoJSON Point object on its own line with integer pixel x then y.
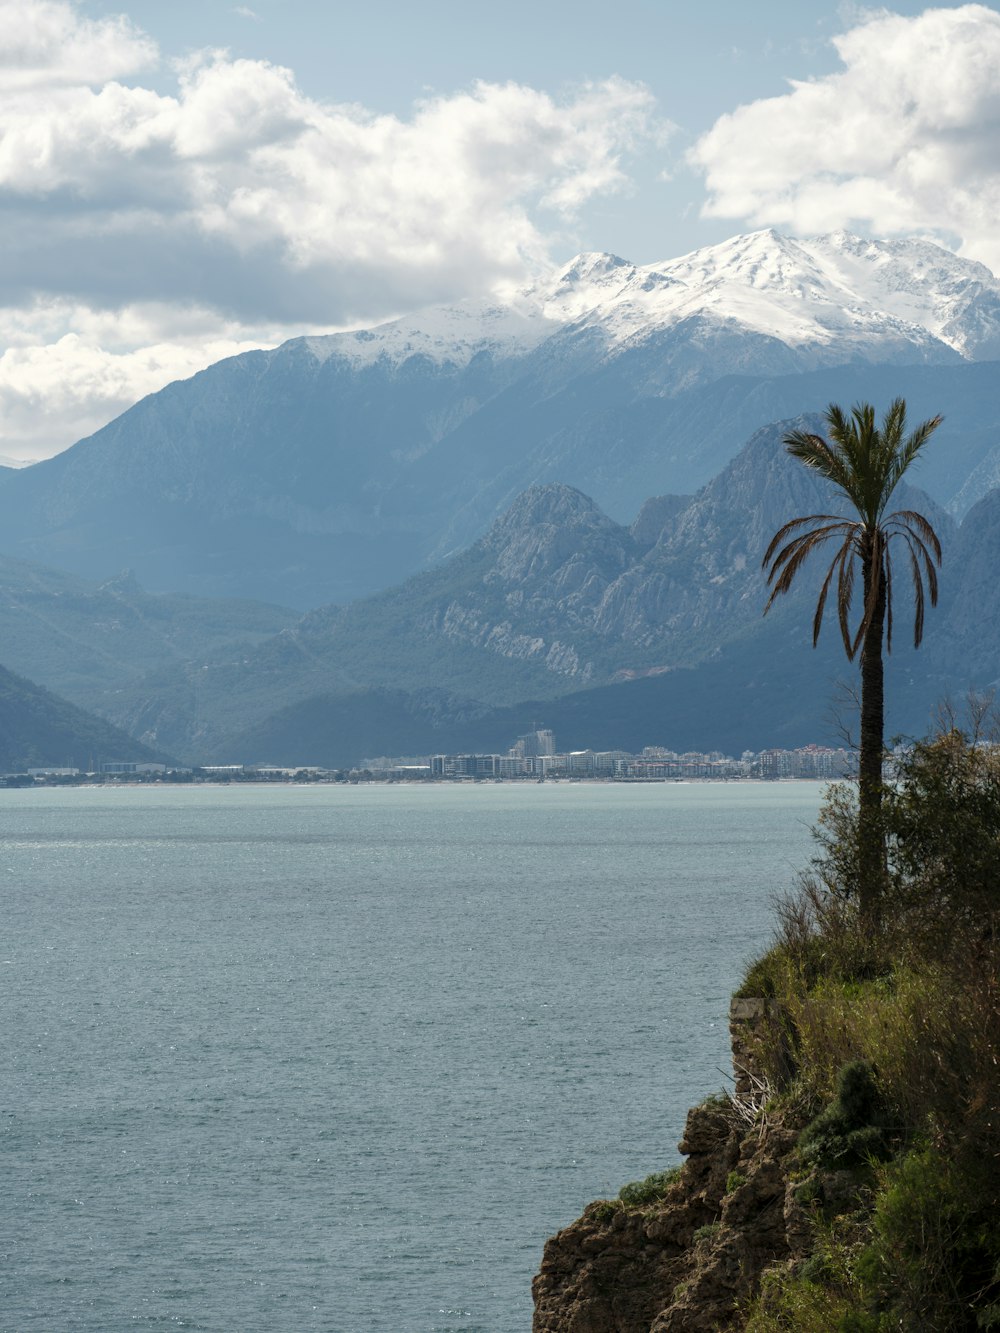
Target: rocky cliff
{"type": "Point", "coordinates": [688, 1260]}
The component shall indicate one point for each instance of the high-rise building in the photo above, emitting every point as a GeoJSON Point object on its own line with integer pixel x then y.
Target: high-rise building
{"type": "Point", "coordinates": [533, 744]}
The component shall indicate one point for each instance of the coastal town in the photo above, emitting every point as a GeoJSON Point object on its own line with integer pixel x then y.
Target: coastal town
{"type": "Point", "coordinates": [533, 757]}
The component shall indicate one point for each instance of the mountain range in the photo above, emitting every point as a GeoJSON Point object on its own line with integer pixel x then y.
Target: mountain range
{"type": "Point", "coordinates": [331, 467]}
{"type": "Point", "coordinates": [550, 508]}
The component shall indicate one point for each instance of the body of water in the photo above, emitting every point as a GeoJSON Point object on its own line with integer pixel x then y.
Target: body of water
{"type": "Point", "coordinates": [340, 1058]}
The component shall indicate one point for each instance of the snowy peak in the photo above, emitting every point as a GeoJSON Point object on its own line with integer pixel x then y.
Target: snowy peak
{"type": "Point", "coordinates": [957, 300]}
{"type": "Point", "coordinates": [586, 283]}
{"type": "Point", "coordinates": [762, 260]}
{"type": "Point", "coordinates": [846, 292]}
{"type": "Point", "coordinates": [593, 268]}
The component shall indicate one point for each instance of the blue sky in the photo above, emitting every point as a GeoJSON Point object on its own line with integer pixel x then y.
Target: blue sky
{"type": "Point", "coordinates": [182, 182]}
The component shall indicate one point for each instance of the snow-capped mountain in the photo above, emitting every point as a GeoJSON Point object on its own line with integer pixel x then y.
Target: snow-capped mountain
{"type": "Point", "coordinates": [332, 466]}
{"type": "Point", "coordinates": [829, 298]}
{"type": "Point", "coordinates": [835, 294]}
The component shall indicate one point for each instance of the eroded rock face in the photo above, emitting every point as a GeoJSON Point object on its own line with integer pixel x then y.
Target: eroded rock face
{"type": "Point", "coordinates": [611, 1271]}
{"type": "Point", "coordinates": [685, 1263]}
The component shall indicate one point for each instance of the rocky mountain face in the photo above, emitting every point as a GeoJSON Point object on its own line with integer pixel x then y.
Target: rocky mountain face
{"type": "Point", "coordinates": [594, 600]}
{"type": "Point", "coordinates": [332, 467]}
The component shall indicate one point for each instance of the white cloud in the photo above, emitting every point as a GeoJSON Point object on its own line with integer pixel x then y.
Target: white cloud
{"type": "Point", "coordinates": [67, 369]}
{"type": "Point", "coordinates": [904, 139]}
{"type": "Point", "coordinates": [46, 43]}
{"type": "Point", "coordinates": [235, 194]}
{"type": "Point", "coordinates": [239, 156]}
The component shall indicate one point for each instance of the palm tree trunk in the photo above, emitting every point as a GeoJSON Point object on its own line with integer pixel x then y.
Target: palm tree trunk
{"type": "Point", "coordinates": [871, 847]}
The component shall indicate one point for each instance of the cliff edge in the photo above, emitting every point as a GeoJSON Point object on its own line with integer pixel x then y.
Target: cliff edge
{"type": "Point", "coordinates": [687, 1259]}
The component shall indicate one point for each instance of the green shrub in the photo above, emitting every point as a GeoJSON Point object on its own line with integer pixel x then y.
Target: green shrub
{"type": "Point", "coordinates": [821, 1295]}
{"type": "Point", "coordinates": [943, 828]}
{"type": "Point", "coordinates": [851, 1130]}
{"type": "Point", "coordinates": [790, 1303]}
{"type": "Point", "coordinates": [933, 1263]}
{"type": "Point", "coordinates": [765, 975]}
{"type": "Point", "coordinates": [654, 1187]}
{"type": "Point", "coordinates": [718, 1101]}
{"type": "Point", "coordinates": [809, 1191]}
{"type": "Point", "coordinates": [817, 1269]}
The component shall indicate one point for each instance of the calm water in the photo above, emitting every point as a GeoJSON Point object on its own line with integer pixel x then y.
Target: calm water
{"type": "Point", "coordinates": [333, 1058]}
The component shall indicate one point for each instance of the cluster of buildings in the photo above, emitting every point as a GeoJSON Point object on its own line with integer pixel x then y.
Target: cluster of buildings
{"type": "Point", "coordinates": [534, 756]}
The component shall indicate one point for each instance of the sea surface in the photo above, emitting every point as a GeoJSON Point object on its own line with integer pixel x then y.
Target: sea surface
{"type": "Point", "coordinates": [341, 1058]}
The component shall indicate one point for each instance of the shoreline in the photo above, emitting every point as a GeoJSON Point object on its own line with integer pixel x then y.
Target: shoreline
{"type": "Point", "coordinates": [160, 784]}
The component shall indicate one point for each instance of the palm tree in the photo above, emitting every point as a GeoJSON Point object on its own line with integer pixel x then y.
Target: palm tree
{"type": "Point", "coordinates": [865, 464]}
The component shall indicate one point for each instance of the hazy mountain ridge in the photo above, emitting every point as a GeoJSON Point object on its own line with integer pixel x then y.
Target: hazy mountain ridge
{"type": "Point", "coordinates": [555, 604]}
{"type": "Point", "coordinates": [85, 640]}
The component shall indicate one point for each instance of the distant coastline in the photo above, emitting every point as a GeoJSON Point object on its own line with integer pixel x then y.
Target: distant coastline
{"type": "Point", "coordinates": [22, 782]}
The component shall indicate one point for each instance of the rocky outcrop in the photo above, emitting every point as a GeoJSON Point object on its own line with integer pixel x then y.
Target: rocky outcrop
{"type": "Point", "coordinates": [685, 1262]}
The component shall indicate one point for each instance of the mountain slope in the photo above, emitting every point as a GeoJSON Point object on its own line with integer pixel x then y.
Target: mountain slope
{"type": "Point", "coordinates": [751, 683]}
{"type": "Point", "coordinates": [770, 689]}
{"type": "Point", "coordinates": [86, 640]}
{"type": "Point", "coordinates": [331, 467]}
{"type": "Point", "coordinates": [39, 729]}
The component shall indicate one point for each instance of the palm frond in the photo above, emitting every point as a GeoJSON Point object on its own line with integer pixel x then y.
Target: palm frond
{"type": "Point", "coordinates": [789, 561]}
{"type": "Point", "coordinates": [816, 453]}
{"type": "Point", "coordinates": [824, 590]}
{"type": "Point", "coordinates": [821, 601]}
{"type": "Point", "coordinates": [918, 595]}
{"type": "Point", "coordinates": [801, 545]}
{"type": "Point", "coordinates": [928, 558]}
{"type": "Point", "coordinates": [910, 518]}
{"type": "Point", "coordinates": [929, 569]}
{"type": "Point", "coordinates": [845, 596]}
{"type": "Point", "coordinates": [908, 451]}
{"type": "Point", "coordinates": [919, 555]}
{"type": "Point", "coordinates": [783, 532]}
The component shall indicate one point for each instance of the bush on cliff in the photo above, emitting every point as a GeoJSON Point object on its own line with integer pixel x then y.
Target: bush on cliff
{"type": "Point", "coordinates": [850, 1131]}
{"type": "Point", "coordinates": [894, 1038]}
{"type": "Point", "coordinates": [640, 1192]}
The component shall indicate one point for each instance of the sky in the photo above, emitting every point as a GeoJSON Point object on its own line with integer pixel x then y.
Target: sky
{"type": "Point", "coordinates": [182, 182]}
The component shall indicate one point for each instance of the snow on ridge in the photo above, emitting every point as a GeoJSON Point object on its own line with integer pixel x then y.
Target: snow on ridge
{"type": "Point", "coordinates": [920, 282]}
{"type": "Point", "coordinates": [443, 334]}
{"type": "Point", "coordinates": [809, 289]}
{"type": "Point", "coordinates": [838, 294]}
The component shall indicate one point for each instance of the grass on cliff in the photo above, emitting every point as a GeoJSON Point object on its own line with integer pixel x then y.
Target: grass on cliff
{"type": "Point", "coordinates": [886, 1042]}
